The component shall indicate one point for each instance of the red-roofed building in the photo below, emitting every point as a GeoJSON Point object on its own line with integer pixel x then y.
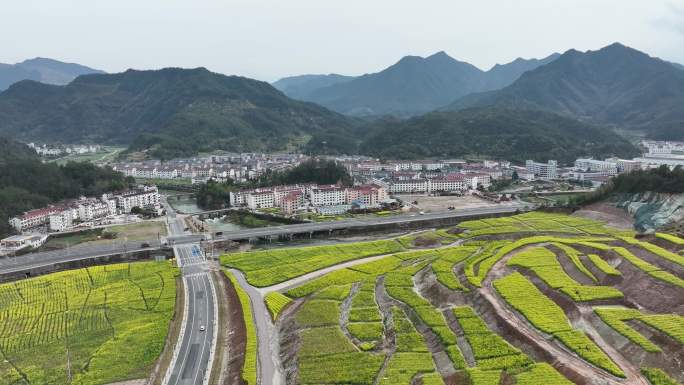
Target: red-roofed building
{"type": "Point", "coordinates": [291, 202]}
{"type": "Point", "coordinates": [34, 218]}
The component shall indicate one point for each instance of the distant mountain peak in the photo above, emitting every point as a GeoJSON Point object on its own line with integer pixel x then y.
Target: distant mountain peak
{"type": "Point", "coordinates": [439, 55]}
{"type": "Point", "coordinates": [44, 70]}
{"type": "Point", "coordinates": [615, 85]}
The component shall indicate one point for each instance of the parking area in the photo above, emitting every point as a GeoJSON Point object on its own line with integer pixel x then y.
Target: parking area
{"type": "Point", "coordinates": [442, 203]}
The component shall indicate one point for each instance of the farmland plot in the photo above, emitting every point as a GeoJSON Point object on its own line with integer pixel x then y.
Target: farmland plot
{"type": "Point", "coordinates": [97, 325]}
{"type": "Point", "coordinates": [423, 316]}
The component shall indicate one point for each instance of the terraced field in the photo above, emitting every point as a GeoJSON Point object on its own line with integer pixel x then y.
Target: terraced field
{"type": "Point", "coordinates": [90, 326]}
{"type": "Point", "coordinates": [529, 299]}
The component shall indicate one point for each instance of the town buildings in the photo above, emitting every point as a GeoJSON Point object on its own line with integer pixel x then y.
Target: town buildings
{"type": "Point", "coordinates": [15, 243]}
{"type": "Point", "coordinates": [64, 215]}
{"type": "Point", "coordinates": [293, 197]}
{"type": "Point", "coordinates": [237, 167]}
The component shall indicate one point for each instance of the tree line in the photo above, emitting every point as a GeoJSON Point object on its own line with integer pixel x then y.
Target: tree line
{"type": "Point", "coordinates": [659, 180]}
{"type": "Point", "coordinates": [27, 183]}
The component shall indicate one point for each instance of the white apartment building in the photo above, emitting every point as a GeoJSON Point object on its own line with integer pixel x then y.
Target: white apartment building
{"type": "Point", "coordinates": [448, 184]}
{"type": "Point", "coordinates": [33, 218]}
{"type": "Point", "coordinates": [263, 199]}
{"type": "Point", "coordinates": [601, 166]}
{"type": "Point", "coordinates": [328, 196]}
{"type": "Point", "coordinates": [474, 179]}
{"type": "Point", "coordinates": [62, 220]}
{"type": "Point", "coordinates": [144, 197]}
{"type": "Point", "coordinates": [548, 170]}
{"type": "Point", "coordinates": [408, 186]}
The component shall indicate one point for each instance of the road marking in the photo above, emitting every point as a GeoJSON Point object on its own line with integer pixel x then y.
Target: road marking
{"type": "Point", "coordinates": [180, 368]}
{"type": "Point", "coordinates": [181, 335]}
{"type": "Point", "coordinates": [204, 343]}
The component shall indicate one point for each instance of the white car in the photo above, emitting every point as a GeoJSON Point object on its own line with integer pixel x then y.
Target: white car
{"type": "Point", "coordinates": [202, 328]}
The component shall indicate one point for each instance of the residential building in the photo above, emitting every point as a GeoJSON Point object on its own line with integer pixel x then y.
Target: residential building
{"type": "Point", "coordinates": [145, 197]}
{"type": "Point", "coordinates": [33, 218]}
{"type": "Point", "coordinates": [291, 202]}
{"type": "Point", "coordinates": [328, 195]}
{"type": "Point", "coordinates": [449, 183]}
{"type": "Point", "coordinates": [15, 243]}
{"type": "Point", "coordinates": [408, 186]}
{"type": "Point", "coordinates": [62, 220]}
{"type": "Point", "coordinates": [548, 170]}
{"type": "Point", "coordinates": [601, 166]}
{"type": "Point", "coordinates": [260, 199]}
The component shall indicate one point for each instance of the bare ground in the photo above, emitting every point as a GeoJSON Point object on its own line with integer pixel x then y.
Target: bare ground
{"type": "Point", "coordinates": [565, 361]}
{"type": "Point", "coordinates": [233, 338]}
{"type": "Point", "coordinates": [606, 212]}
{"type": "Point", "coordinates": [141, 381]}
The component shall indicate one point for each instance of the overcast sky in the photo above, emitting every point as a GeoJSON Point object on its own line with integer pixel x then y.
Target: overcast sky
{"type": "Point", "coordinates": [268, 39]}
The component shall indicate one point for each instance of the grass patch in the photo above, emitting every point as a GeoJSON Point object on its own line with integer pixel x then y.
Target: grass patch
{"type": "Point", "coordinates": [276, 302]}
{"type": "Point", "coordinates": [541, 374]}
{"type": "Point", "coordinates": [604, 266]}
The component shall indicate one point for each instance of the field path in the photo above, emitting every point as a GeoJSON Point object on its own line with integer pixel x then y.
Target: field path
{"type": "Point", "coordinates": [315, 274]}
{"type": "Point", "coordinates": [268, 360]}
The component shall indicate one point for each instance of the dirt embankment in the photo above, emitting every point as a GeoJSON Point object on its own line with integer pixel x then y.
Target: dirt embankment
{"type": "Point", "coordinates": [640, 289]}
{"type": "Point", "coordinates": [288, 333]}
{"type": "Point", "coordinates": [235, 340]}
{"type": "Point", "coordinates": [608, 213]}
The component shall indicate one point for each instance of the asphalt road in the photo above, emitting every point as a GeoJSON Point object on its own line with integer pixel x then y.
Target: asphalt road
{"type": "Point", "coordinates": [179, 237]}
{"type": "Point", "coordinates": [361, 222]}
{"type": "Point", "coordinates": [194, 352]}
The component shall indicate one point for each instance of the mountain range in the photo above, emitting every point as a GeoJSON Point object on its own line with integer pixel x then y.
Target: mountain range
{"type": "Point", "coordinates": [172, 112]}
{"type": "Point", "coordinates": [616, 85]}
{"type": "Point", "coordinates": [179, 112]}
{"type": "Point", "coordinates": [412, 86]}
{"type": "Point", "coordinates": [301, 86]}
{"type": "Point", "coordinates": [42, 70]}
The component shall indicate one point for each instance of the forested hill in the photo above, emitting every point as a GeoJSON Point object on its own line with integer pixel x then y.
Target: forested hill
{"type": "Point", "coordinates": [169, 112]}
{"type": "Point", "coordinates": [615, 85]}
{"type": "Point", "coordinates": [412, 86]}
{"type": "Point", "coordinates": [515, 135]}
{"type": "Point", "coordinates": [26, 183]}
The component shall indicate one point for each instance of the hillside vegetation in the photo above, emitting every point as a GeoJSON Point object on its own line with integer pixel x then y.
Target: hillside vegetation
{"type": "Point", "coordinates": [615, 85]}
{"type": "Point", "coordinates": [412, 86]}
{"type": "Point", "coordinates": [27, 183]}
{"type": "Point", "coordinates": [514, 135]}
{"type": "Point", "coordinates": [169, 113]}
